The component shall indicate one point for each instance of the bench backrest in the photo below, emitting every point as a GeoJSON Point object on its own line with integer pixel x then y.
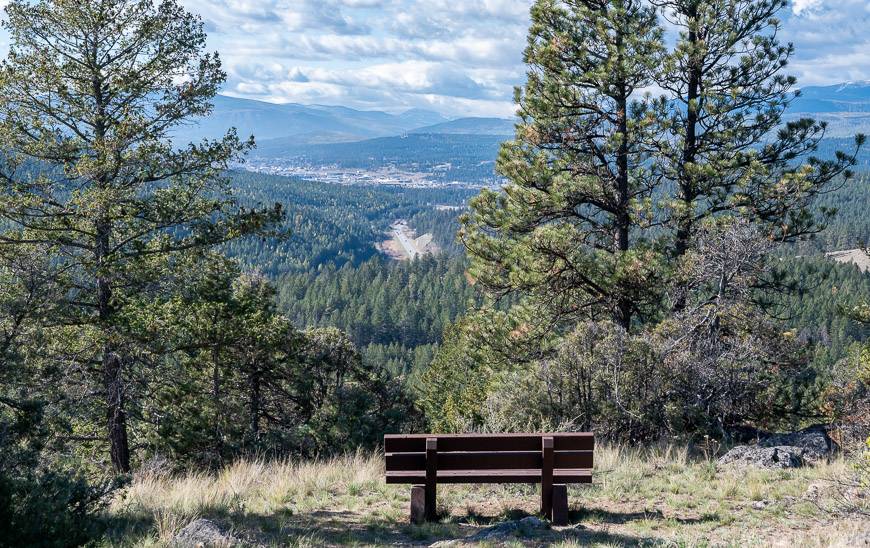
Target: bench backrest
{"type": "Point", "coordinates": [489, 451]}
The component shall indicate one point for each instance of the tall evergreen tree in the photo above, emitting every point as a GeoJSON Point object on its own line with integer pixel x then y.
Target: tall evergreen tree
{"type": "Point", "coordinates": [569, 227]}
{"type": "Point", "coordinates": [89, 96]}
{"type": "Point", "coordinates": [724, 143]}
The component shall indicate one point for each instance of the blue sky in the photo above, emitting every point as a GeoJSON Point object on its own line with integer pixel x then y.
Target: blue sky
{"type": "Point", "coordinates": [460, 57]}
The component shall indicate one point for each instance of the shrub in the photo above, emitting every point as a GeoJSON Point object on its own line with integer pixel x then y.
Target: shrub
{"type": "Point", "coordinates": [700, 374]}
{"type": "Point", "coordinates": [45, 508]}
{"type": "Point", "coordinates": [40, 503]}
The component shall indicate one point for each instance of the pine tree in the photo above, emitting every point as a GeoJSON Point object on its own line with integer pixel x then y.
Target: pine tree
{"type": "Point", "coordinates": [723, 142]}
{"type": "Point", "coordinates": [89, 96]}
{"type": "Point", "coordinates": [569, 227]}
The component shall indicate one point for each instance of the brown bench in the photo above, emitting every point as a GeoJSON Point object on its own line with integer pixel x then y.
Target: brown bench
{"type": "Point", "coordinates": [553, 460]}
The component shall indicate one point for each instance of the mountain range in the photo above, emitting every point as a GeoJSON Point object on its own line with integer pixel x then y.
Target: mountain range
{"type": "Point", "coordinates": [851, 97]}
{"type": "Point", "coordinates": [845, 107]}
{"type": "Point", "coordinates": [302, 123]}
{"type": "Point", "coordinates": [293, 130]}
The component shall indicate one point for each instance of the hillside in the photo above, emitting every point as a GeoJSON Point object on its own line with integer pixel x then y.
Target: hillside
{"type": "Point", "coordinates": [329, 272]}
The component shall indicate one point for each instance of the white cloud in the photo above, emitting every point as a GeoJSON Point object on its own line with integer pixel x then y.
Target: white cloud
{"type": "Point", "coordinates": [445, 54]}
{"type": "Point", "coordinates": [463, 54]}
{"type": "Point", "coordinates": [800, 6]}
{"type": "Point", "coordinates": [458, 56]}
{"type": "Point", "coordinates": [831, 40]}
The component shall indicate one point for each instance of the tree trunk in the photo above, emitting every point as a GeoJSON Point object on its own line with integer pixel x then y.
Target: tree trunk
{"type": "Point", "coordinates": [113, 377]}
{"type": "Point", "coordinates": [686, 184]}
{"type": "Point", "coordinates": [623, 312]}
{"type": "Point", "coordinates": [113, 366]}
{"type": "Point", "coordinates": [255, 406]}
{"type": "Point", "coordinates": [216, 402]}
{"type": "Point", "coordinates": [119, 447]}
{"type": "Point", "coordinates": [688, 192]}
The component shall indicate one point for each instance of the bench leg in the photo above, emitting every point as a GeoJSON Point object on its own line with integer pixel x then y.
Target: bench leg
{"type": "Point", "coordinates": [431, 508]}
{"type": "Point", "coordinates": [547, 477]}
{"type": "Point", "coordinates": [431, 478]}
{"type": "Point", "coordinates": [418, 504]}
{"type": "Point", "coordinates": [560, 504]}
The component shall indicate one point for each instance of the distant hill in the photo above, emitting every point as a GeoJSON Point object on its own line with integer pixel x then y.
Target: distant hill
{"type": "Point", "coordinates": [304, 123]}
{"type": "Point", "coordinates": [848, 97]}
{"type": "Point", "coordinates": [845, 107]}
{"type": "Point", "coordinates": [472, 126]}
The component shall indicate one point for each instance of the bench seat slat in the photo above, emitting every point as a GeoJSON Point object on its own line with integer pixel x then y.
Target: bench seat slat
{"type": "Point", "coordinates": [488, 460]}
{"type": "Point", "coordinates": [492, 476]}
{"type": "Point", "coordinates": [562, 441]}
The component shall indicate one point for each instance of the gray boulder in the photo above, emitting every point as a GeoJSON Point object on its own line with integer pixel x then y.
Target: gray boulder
{"type": "Point", "coordinates": [814, 441]}
{"type": "Point", "coordinates": [203, 533]}
{"type": "Point", "coordinates": [764, 457]}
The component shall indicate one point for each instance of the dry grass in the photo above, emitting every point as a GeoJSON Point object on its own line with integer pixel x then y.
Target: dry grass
{"type": "Point", "coordinates": [660, 496]}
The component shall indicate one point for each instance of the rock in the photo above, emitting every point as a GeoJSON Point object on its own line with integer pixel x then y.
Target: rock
{"type": "Point", "coordinates": [813, 491]}
{"type": "Point", "coordinates": [814, 441]}
{"type": "Point", "coordinates": [203, 533]}
{"type": "Point", "coordinates": [764, 457]}
{"type": "Point", "coordinates": [851, 438]}
{"type": "Point", "coordinates": [759, 504]}
{"type": "Point", "coordinates": [501, 532]}
{"type": "Point", "coordinates": [789, 450]}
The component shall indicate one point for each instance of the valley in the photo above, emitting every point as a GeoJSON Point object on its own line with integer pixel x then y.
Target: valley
{"type": "Point", "coordinates": [404, 243]}
{"type": "Point", "coordinates": [413, 159]}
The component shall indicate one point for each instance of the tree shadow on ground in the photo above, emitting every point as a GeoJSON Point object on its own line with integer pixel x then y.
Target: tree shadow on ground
{"type": "Point", "coordinates": [346, 527]}
{"type": "Point", "coordinates": [337, 528]}
{"type": "Point", "coordinates": [619, 518]}
{"type": "Point", "coordinates": [473, 517]}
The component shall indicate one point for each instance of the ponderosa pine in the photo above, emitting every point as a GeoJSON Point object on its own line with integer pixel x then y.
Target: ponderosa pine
{"type": "Point", "coordinates": [90, 94]}
{"type": "Point", "coordinates": [568, 228]}
{"type": "Point", "coordinates": [724, 141]}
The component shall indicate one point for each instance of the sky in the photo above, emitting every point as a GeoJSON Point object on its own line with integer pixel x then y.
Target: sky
{"type": "Point", "coordinates": [459, 57]}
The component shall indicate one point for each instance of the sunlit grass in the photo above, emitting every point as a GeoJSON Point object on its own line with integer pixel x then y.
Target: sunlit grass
{"type": "Point", "coordinates": [661, 494]}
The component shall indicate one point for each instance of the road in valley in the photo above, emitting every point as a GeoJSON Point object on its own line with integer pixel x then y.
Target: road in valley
{"type": "Point", "coordinates": [407, 243]}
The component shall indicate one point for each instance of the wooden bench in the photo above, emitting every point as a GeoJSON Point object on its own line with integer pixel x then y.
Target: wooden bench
{"type": "Point", "coordinates": [553, 460]}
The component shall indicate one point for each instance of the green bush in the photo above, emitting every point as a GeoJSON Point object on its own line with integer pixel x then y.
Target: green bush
{"type": "Point", "coordinates": [691, 376]}
{"type": "Point", "coordinates": [45, 509]}
{"type": "Point", "coordinates": [40, 503]}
